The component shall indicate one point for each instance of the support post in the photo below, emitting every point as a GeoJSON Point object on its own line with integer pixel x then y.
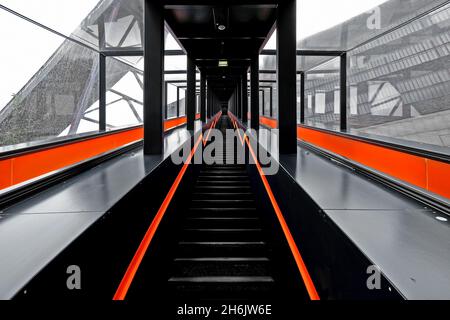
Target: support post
{"type": "Point", "coordinates": [343, 91]}
{"type": "Point", "coordinates": [244, 98]}
{"type": "Point", "coordinates": [254, 92]}
{"type": "Point", "coordinates": [190, 93]}
{"type": "Point", "coordinates": [203, 96]}
{"type": "Point", "coordinates": [287, 76]}
{"type": "Point", "coordinates": [102, 93]}
{"type": "Point", "coordinates": [153, 77]}
{"type": "Point", "coordinates": [302, 97]}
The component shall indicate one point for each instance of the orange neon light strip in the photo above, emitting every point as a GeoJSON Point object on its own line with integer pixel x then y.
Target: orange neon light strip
{"type": "Point", "coordinates": [312, 292]}
{"type": "Point", "coordinates": [213, 125]}
{"type": "Point", "coordinates": [133, 267]}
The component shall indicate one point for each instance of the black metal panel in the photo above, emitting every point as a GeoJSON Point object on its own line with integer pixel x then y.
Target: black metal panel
{"type": "Point", "coordinates": [239, 99]}
{"type": "Point", "coordinates": [203, 97]}
{"type": "Point", "coordinates": [190, 93]}
{"type": "Point", "coordinates": [102, 93]}
{"type": "Point", "coordinates": [343, 92]}
{"type": "Point", "coordinates": [153, 77]}
{"type": "Point", "coordinates": [287, 76]}
{"type": "Point", "coordinates": [254, 92]}
{"type": "Point", "coordinates": [302, 97]}
{"type": "Point", "coordinates": [244, 83]}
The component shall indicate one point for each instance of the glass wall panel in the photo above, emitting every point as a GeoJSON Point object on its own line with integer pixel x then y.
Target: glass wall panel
{"type": "Point", "coordinates": [172, 63]}
{"type": "Point", "coordinates": [47, 91]}
{"type": "Point", "coordinates": [399, 84]}
{"type": "Point", "coordinates": [322, 92]}
{"type": "Point", "coordinates": [345, 24]}
{"type": "Point", "coordinates": [103, 25]}
{"type": "Point", "coordinates": [124, 95]}
{"type": "Point", "coordinates": [261, 102]}
{"type": "Point", "coordinates": [182, 102]}
{"type": "Point", "coordinates": [171, 101]}
{"type": "Point", "coordinates": [267, 94]}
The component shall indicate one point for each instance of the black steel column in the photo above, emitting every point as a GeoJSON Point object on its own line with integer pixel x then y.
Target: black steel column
{"type": "Point", "coordinates": [203, 97]}
{"type": "Point", "coordinates": [166, 105]}
{"type": "Point", "coordinates": [343, 92]}
{"type": "Point", "coordinates": [244, 98]}
{"type": "Point", "coordinates": [287, 75]}
{"type": "Point", "coordinates": [190, 93]}
{"type": "Point", "coordinates": [271, 101]}
{"type": "Point", "coordinates": [239, 106]}
{"type": "Point", "coordinates": [178, 102]}
{"type": "Point", "coordinates": [254, 92]}
{"type": "Point", "coordinates": [153, 77]}
{"type": "Point", "coordinates": [209, 103]}
{"type": "Point", "coordinates": [102, 94]}
{"type": "Point", "coordinates": [302, 97]}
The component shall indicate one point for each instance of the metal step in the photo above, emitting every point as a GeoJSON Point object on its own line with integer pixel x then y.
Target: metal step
{"type": "Point", "coordinates": [222, 203]}
{"type": "Point", "coordinates": [222, 249]}
{"type": "Point", "coordinates": [220, 266]}
{"type": "Point", "coordinates": [235, 234]}
{"type": "Point", "coordinates": [224, 222]}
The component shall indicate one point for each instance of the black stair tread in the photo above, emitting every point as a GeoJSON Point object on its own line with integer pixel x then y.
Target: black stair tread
{"type": "Point", "coordinates": [222, 182]}
{"type": "Point", "coordinates": [221, 222]}
{"type": "Point", "coordinates": [222, 187]}
{"type": "Point", "coordinates": [223, 193]}
{"type": "Point", "coordinates": [224, 209]}
{"type": "Point", "coordinates": [231, 234]}
{"type": "Point", "coordinates": [211, 213]}
{"type": "Point", "coordinates": [224, 229]}
{"type": "Point", "coordinates": [223, 243]}
{"type": "Point", "coordinates": [211, 177]}
{"type": "Point", "coordinates": [222, 249]}
{"type": "Point", "coordinates": [224, 201]}
{"type": "Point", "coordinates": [224, 172]}
{"type": "Point", "coordinates": [230, 268]}
{"type": "Point", "coordinates": [223, 279]}
{"type": "Point", "coordinates": [223, 259]}
{"type": "Point", "coordinates": [234, 166]}
{"type": "Point", "coordinates": [226, 218]}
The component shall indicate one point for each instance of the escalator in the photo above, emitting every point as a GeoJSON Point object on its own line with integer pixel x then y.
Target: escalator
{"type": "Point", "coordinates": [221, 244]}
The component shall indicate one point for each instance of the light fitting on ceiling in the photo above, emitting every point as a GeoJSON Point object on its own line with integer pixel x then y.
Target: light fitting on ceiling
{"type": "Point", "coordinates": [221, 27]}
{"type": "Point", "coordinates": [223, 63]}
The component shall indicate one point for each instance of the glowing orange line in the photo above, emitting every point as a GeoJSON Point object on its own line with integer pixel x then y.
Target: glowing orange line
{"type": "Point", "coordinates": [145, 243]}
{"type": "Point", "coordinates": [209, 130]}
{"type": "Point", "coordinates": [312, 292]}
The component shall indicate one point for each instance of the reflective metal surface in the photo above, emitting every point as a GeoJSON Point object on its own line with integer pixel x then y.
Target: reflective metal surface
{"type": "Point", "coordinates": [407, 241]}
{"type": "Point", "coordinates": [36, 230]}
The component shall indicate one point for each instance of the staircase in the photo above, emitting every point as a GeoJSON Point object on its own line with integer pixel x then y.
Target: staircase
{"type": "Point", "coordinates": [223, 252]}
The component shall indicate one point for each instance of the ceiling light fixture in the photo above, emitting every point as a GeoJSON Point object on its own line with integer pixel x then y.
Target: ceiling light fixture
{"type": "Point", "coordinates": [223, 63]}
{"type": "Point", "coordinates": [221, 27]}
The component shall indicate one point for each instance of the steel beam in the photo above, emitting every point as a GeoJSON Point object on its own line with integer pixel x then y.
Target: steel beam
{"type": "Point", "coordinates": [153, 77]}
{"type": "Point", "coordinates": [287, 76]}
{"type": "Point", "coordinates": [254, 92]}
{"type": "Point", "coordinates": [190, 94]}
